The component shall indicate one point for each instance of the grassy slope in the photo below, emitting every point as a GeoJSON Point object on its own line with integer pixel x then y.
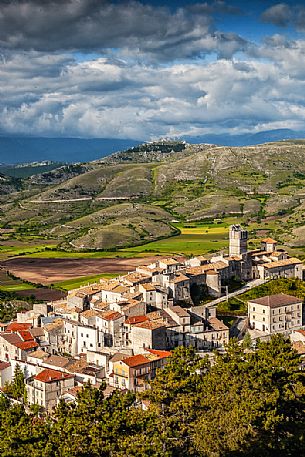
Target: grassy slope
{"type": "Point", "coordinates": [238, 305]}
{"type": "Point", "coordinates": [202, 183]}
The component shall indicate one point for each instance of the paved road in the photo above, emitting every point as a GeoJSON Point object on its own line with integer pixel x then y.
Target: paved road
{"type": "Point", "coordinates": [245, 288]}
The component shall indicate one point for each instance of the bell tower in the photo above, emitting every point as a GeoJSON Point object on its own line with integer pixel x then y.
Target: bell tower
{"type": "Point", "coordinates": [238, 240]}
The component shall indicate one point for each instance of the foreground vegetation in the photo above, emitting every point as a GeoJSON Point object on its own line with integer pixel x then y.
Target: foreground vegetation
{"type": "Point", "coordinates": [238, 305]}
{"type": "Point", "coordinates": [246, 404]}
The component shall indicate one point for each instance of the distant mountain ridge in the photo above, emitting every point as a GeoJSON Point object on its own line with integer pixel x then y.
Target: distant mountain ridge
{"type": "Point", "coordinates": [14, 150]}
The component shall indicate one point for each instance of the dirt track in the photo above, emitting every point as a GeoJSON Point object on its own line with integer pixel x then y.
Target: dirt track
{"type": "Point", "coordinates": [48, 271]}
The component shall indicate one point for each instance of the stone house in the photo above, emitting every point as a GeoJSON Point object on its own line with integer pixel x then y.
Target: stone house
{"type": "Point", "coordinates": [133, 373]}
{"type": "Point", "coordinates": [46, 387]}
{"type": "Point", "coordinates": [275, 313]}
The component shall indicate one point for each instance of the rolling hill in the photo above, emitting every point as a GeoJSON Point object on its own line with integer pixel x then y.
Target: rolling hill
{"type": "Point", "coordinates": [133, 196]}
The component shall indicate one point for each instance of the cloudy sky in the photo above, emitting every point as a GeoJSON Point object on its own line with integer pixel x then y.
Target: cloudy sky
{"type": "Point", "coordinates": [145, 69]}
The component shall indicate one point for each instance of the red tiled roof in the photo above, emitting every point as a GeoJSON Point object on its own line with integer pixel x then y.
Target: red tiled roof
{"type": "Point", "coordinates": [16, 326]}
{"type": "Point", "coordinates": [50, 375]}
{"type": "Point", "coordinates": [136, 360]}
{"type": "Point", "coordinates": [4, 365]}
{"type": "Point", "coordinates": [24, 345]}
{"type": "Point", "coordinates": [269, 241]}
{"type": "Point", "coordinates": [136, 319]}
{"type": "Point", "coordinates": [110, 315]}
{"type": "Point", "coordinates": [25, 335]}
{"type": "Point", "coordinates": [160, 354]}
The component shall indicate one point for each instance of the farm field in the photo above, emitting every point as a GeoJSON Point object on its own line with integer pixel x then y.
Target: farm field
{"type": "Point", "coordinates": [51, 271]}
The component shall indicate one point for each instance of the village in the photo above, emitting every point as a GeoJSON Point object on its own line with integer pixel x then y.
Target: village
{"type": "Point", "coordinates": [120, 331]}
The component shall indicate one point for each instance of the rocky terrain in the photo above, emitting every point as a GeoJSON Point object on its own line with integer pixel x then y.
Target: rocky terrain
{"type": "Point", "coordinates": [131, 197]}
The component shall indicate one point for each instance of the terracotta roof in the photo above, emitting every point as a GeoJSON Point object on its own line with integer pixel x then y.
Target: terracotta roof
{"type": "Point", "coordinates": [27, 345]}
{"type": "Point", "coordinates": [269, 241]}
{"type": "Point", "coordinates": [302, 332]}
{"type": "Point", "coordinates": [11, 338]}
{"type": "Point", "coordinates": [58, 361]}
{"type": "Point", "coordinates": [110, 315]}
{"type": "Point", "coordinates": [56, 324]}
{"type": "Point", "coordinates": [15, 326]}
{"type": "Point", "coordinates": [150, 325]}
{"type": "Point", "coordinates": [169, 261]}
{"type": "Point", "coordinates": [148, 286]}
{"type": "Point", "coordinates": [274, 301]}
{"type": "Point", "coordinates": [179, 311]}
{"type": "Point", "coordinates": [217, 324]}
{"type": "Point", "coordinates": [118, 356]}
{"type": "Point", "coordinates": [136, 360]}
{"type": "Point", "coordinates": [180, 278]}
{"type": "Point", "coordinates": [159, 354]}
{"type": "Point", "coordinates": [36, 332]}
{"type": "Point", "coordinates": [132, 320]}
{"type": "Point", "coordinates": [89, 313]}
{"type": "Point", "coordinates": [283, 263]}
{"type": "Point", "coordinates": [49, 375]}
{"type": "Point", "coordinates": [4, 365]}
{"type": "Point", "coordinates": [25, 335]}
{"type": "Point", "coordinates": [39, 354]}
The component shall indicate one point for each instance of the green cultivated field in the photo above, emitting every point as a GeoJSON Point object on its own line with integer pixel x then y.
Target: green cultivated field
{"type": "Point", "coordinates": [8, 284]}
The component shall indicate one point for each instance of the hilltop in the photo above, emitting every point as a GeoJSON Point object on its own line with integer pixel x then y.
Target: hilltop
{"type": "Point", "coordinates": [133, 196]}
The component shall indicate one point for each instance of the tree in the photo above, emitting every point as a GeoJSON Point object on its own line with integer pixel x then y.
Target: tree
{"type": "Point", "coordinates": [16, 388]}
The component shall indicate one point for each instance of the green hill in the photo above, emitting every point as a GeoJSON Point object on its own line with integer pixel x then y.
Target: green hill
{"type": "Point", "coordinates": [131, 197]}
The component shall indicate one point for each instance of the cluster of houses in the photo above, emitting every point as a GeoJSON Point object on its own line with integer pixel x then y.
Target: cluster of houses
{"type": "Point", "coordinates": [122, 330]}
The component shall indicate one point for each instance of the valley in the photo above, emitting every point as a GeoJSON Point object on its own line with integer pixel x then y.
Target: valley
{"type": "Point", "coordinates": [156, 199]}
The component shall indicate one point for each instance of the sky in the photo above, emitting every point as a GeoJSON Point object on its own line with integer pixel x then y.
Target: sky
{"type": "Point", "coordinates": [149, 69]}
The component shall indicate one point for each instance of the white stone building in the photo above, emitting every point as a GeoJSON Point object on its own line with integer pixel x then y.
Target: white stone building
{"type": "Point", "coordinates": [275, 313]}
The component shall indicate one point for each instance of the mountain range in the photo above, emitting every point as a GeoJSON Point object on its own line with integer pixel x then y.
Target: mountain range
{"type": "Point", "coordinates": [22, 149]}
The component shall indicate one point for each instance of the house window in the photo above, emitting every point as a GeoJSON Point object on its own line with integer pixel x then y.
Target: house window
{"type": "Point", "coordinates": [263, 319]}
{"type": "Point", "coordinates": [264, 311]}
{"type": "Point", "coordinates": [253, 308]}
{"type": "Point", "coordinates": [87, 336]}
{"type": "Point", "coordinates": [81, 334]}
{"type": "Point", "coordinates": [91, 345]}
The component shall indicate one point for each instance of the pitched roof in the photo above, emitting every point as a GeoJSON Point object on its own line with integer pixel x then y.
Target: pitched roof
{"type": "Point", "coordinates": [217, 324]}
{"type": "Point", "coordinates": [274, 301]}
{"type": "Point", "coordinates": [150, 325]}
{"type": "Point", "coordinates": [89, 313]}
{"type": "Point", "coordinates": [179, 311]}
{"type": "Point", "coordinates": [283, 263]}
{"type": "Point", "coordinates": [159, 354]}
{"type": "Point", "coordinates": [49, 375]}
{"type": "Point", "coordinates": [132, 320]}
{"type": "Point", "coordinates": [39, 354]}
{"type": "Point", "coordinates": [169, 261]}
{"type": "Point", "coordinates": [58, 361]}
{"type": "Point", "coordinates": [24, 345]}
{"type": "Point", "coordinates": [269, 241]}
{"type": "Point", "coordinates": [110, 315]}
{"type": "Point", "coordinates": [25, 335]}
{"type": "Point", "coordinates": [15, 326]}
{"type": "Point", "coordinates": [136, 360]}
{"type": "Point", "coordinates": [4, 365]}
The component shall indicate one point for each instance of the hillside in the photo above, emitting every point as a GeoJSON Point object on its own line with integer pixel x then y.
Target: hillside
{"type": "Point", "coordinates": [122, 200]}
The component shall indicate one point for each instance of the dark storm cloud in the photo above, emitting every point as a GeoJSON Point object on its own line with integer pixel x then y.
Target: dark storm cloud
{"type": "Point", "coordinates": [284, 15]}
{"type": "Point", "coordinates": [97, 25]}
{"type": "Point", "coordinates": [279, 14]}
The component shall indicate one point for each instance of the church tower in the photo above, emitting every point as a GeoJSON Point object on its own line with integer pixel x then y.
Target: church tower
{"type": "Point", "coordinates": [238, 240]}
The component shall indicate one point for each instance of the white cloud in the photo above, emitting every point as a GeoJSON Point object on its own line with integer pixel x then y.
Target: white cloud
{"type": "Point", "coordinates": [57, 95]}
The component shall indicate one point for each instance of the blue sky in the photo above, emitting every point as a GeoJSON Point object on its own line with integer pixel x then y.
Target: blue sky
{"type": "Point", "coordinates": [146, 69]}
